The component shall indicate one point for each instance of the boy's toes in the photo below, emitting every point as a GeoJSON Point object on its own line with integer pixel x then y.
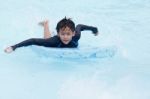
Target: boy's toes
{"type": "Point", "coordinates": [41, 23]}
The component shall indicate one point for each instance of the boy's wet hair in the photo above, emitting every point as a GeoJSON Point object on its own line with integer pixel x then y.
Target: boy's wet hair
{"type": "Point", "coordinates": [65, 22]}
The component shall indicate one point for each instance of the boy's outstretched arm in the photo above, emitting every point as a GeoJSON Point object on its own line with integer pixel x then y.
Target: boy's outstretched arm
{"type": "Point", "coordinates": [32, 41]}
{"type": "Point", "coordinates": [81, 27]}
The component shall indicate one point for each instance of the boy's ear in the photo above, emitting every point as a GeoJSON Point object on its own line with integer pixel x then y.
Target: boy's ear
{"type": "Point", "coordinates": [74, 33]}
{"type": "Point", "coordinates": [57, 34]}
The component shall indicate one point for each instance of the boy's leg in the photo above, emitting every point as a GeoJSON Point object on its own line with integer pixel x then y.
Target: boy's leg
{"type": "Point", "coordinates": [47, 33]}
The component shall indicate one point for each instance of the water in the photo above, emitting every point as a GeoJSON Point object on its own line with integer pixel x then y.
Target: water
{"type": "Point", "coordinates": [32, 74]}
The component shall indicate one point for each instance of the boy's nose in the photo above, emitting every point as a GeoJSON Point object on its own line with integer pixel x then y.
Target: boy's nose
{"type": "Point", "coordinates": [65, 36]}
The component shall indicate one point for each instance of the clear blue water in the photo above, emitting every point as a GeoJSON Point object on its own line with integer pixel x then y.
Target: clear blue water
{"type": "Point", "coordinates": [35, 74]}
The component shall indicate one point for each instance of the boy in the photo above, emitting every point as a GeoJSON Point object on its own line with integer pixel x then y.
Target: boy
{"type": "Point", "coordinates": [67, 36]}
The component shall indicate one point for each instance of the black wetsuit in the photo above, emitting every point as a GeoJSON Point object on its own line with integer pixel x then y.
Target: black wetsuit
{"type": "Point", "coordinates": [55, 40]}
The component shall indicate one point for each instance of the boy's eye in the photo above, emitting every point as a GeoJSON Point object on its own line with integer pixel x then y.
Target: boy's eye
{"type": "Point", "coordinates": [65, 33]}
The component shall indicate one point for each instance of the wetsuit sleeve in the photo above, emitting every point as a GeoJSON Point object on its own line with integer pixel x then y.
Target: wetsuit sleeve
{"type": "Point", "coordinates": [50, 42]}
{"type": "Point", "coordinates": [81, 27]}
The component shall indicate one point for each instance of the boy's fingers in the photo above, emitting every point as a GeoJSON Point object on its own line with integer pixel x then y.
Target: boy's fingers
{"type": "Point", "coordinates": [8, 50]}
{"type": "Point", "coordinates": [5, 50]}
{"type": "Point", "coordinates": [96, 34]}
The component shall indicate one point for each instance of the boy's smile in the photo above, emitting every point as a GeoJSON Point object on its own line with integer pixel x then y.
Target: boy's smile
{"type": "Point", "coordinates": [66, 35]}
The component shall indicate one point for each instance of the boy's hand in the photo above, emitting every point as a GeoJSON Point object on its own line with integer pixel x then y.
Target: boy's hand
{"type": "Point", "coordinates": [8, 50]}
{"type": "Point", "coordinates": [95, 31]}
{"type": "Point", "coordinates": [43, 23]}
{"type": "Point", "coordinates": [96, 34]}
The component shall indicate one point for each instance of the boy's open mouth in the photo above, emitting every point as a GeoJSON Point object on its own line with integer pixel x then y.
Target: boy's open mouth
{"type": "Point", "coordinates": [66, 40]}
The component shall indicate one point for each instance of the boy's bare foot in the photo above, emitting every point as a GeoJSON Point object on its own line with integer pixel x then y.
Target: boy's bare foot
{"type": "Point", "coordinates": [43, 23]}
{"type": "Point", "coordinates": [8, 50]}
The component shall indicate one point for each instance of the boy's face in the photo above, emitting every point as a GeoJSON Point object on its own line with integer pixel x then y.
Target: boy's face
{"type": "Point", "coordinates": [66, 35]}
